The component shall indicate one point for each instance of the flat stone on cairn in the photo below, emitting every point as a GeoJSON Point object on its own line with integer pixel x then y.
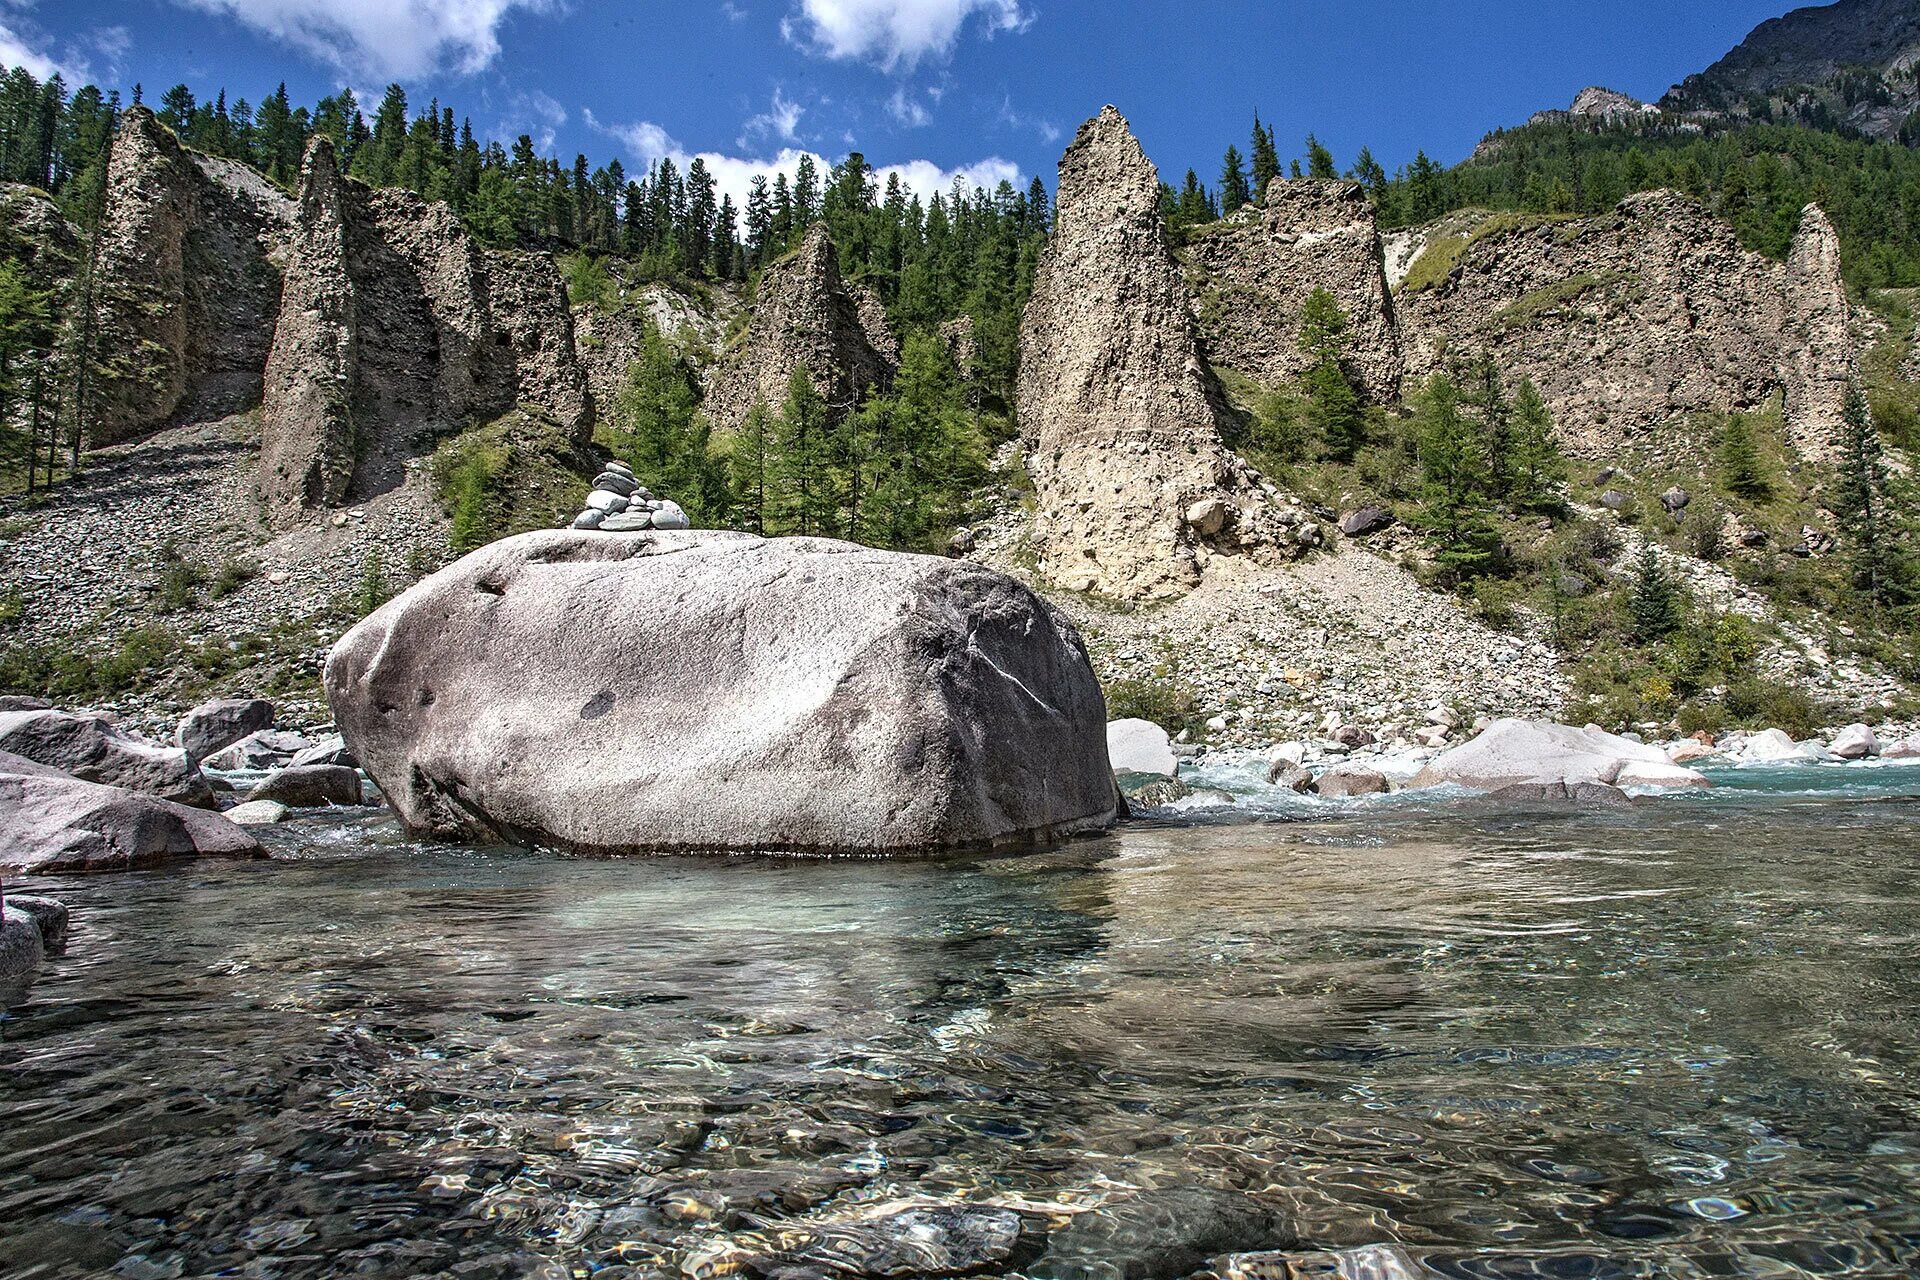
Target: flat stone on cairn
{"type": "Point", "coordinates": [619, 503]}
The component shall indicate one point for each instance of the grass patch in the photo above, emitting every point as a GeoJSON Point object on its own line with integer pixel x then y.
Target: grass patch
{"type": "Point", "coordinates": [514, 475]}
{"type": "Point", "coordinates": [1437, 261]}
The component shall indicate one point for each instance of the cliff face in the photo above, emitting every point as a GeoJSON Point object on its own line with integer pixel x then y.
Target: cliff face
{"type": "Point", "coordinates": [1634, 317]}
{"type": "Point", "coordinates": [188, 283]}
{"type": "Point", "coordinates": [1135, 489]}
{"type": "Point", "coordinates": [806, 314]}
{"type": "Point", "coordinates": [1258, 268]}
{"type": "Point", "coordinates": [396, 328]}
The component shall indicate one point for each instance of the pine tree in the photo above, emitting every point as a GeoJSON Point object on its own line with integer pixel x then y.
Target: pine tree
{"type": "Point", "coordinates": [1234, 191]}
{"type": "Point", "coordinates": [1740, 467]}
{"type": "Point", "coordinates": [1654, 600]}
{"type": "Point", "coordinates": [1266, 159]}
{"type": "Point", "coordinates": [1319, 160]}
{"type": "Point", "coordinates": [1454, 482]}
{"type": "Point", "coordinates": [1333, 411]}
{"type": "Point", "coordinates": [1536, 464]}
{"type": "Point", "coordinates": [801, 499]}
{"type": "Point", "coordinates": [1860, 503]}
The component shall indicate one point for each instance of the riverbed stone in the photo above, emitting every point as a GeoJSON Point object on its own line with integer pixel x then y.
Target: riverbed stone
{"type": "Point", "coordinates": [51, 821]}
{"type": "Point", "coordinates": [1140, 746]}
{"type": "Point", "coordinates": [258, 813]}
{"type": "Point", "coordinates": [21, 946]}
{"type": "Point", "coordinates": [1290, 775]}
{"type": "Point", "coordinates": [823, 697]}
{"type": "Point", "coordinates": [313, 786]}
{"type": "Point", "coordinates": [331, 749]}
{"type": "Point", "coordinates": [1346, 782]}
{"type": "Point", "coordinates": [94, 749]}
{"type": "Point", "coordinates": [49, 915]}
{"type": "Point", "coordinates": [1150, 790]}
{"type": "Point", "coordinates": [221, 723]}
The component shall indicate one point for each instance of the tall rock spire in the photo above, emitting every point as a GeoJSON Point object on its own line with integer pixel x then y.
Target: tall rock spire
{"type": "Point", "coordinates": [1136, 490]}
{"type": "Point", "coordinates": [1819, 361]}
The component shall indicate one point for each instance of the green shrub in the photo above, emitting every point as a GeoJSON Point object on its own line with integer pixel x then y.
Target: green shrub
{"type": "Point", "coordinates": [1764, 704]}
{"type": "Point", "coordinates": [1160, 699]}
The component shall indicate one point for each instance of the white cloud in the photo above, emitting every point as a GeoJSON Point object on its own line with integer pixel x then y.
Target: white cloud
{"type": "Point", "coordinates": [646, 142]}
{"type": "Point", "coordinates": [781, 121]}
{"type": "Point", "coordinates": [535, 114]}
{"type": "Point", "coordinates": [908, 111]}
{"type": "Point", "coordinates": [388, 39]}
{"type": "Point", "coordinates": [15, 52]}
{"type": "Point", "coordinates": [894, 34]}
{"type": "Point", "coordinates": [21, 45]}
{"type": "Point", "coordinates": [1047, 130]}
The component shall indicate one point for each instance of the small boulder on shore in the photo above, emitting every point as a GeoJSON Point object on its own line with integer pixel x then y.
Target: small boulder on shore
{"type": "Point", "coordinates": [93, 749]}
{"type": "Point", "coordinates": [662, 692]}
{"type": "Point", "coordinates": [1536, 752]}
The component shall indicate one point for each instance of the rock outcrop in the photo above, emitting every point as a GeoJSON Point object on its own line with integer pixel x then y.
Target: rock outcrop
{"type": "Point", "coordinates": [1819, 364]}
{"type": "Point", "coordinates": [653, 692]}
{"type": "Point", "coordinates": [189, 283]}
{"type": "Point", "coordinates": [1259, 267]}
{"type": "Point", "coordinates": [396, 328]}
{"type": "Point", "coordinates": [806, 315]}
{"type": "Point", "coordinates": [1596, 103]}
{"type": "Point", "coordinates": [1633, 318]}
{"type": "Point", "coordinates": [1123, 425]}
{"type": "Point", "coordinates": [51, 821]}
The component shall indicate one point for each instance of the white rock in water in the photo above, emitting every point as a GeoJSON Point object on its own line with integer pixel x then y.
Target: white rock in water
{"type": "Point", "coordinates": [1855, 742]}
{"type": "Point", "coordinates": [1769, 746]}
{"type": "Point", "coordinates": [1526, 752]}
{"type": "Point", "coordinates": [1140, 746]}
{"type": "Point", "coordinates": [840, 700]}
{"type": "Point", "coordinates": [606, 500]}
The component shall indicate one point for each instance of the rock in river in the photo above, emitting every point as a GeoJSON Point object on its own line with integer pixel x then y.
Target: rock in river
{"type": "Point", "coordinates": [1513, 751]}
{"type": "Point", "coordinates": [311, 786]}
{"type": "Point", "coordinates": [655, 692]}
{"type": "Point", "coordinates": [221, 723]}
{"type": "Point", "coordinates": [93, 749]}
{"type": "Point", "coordinates": [50, 821]}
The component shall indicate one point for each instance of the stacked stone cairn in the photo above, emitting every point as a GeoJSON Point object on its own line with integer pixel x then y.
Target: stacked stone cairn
{"type": "Point", "coordinates": [620, 504]}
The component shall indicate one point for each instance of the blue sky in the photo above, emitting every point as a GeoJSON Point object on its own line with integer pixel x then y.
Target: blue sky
{"type": "Point", "coordinates": [988, 88]}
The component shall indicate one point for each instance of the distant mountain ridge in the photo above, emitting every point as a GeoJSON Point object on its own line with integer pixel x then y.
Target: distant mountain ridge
{"type": "Point", "coordinates": [1848, 65]}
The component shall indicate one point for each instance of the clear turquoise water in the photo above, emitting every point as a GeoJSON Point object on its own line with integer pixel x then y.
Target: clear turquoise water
{"type": "Point", "coordinates": [1387, 1039]}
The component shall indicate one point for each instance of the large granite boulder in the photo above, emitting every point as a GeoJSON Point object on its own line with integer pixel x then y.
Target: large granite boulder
{"type": "Point", "coordinates": [1513, 752]}
{"type": "Point", "coordinates": [93, 749]}
{"type": "Point", "coordinates": [666, 691]}
{"type": "Point", "coordinates": [51, 821]}
{"type": "Point", "coordinates": [221, 723]}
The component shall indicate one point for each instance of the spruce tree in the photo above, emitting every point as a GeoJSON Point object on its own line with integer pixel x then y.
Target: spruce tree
{"type": "Point", "coordinates": [801, 498]}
